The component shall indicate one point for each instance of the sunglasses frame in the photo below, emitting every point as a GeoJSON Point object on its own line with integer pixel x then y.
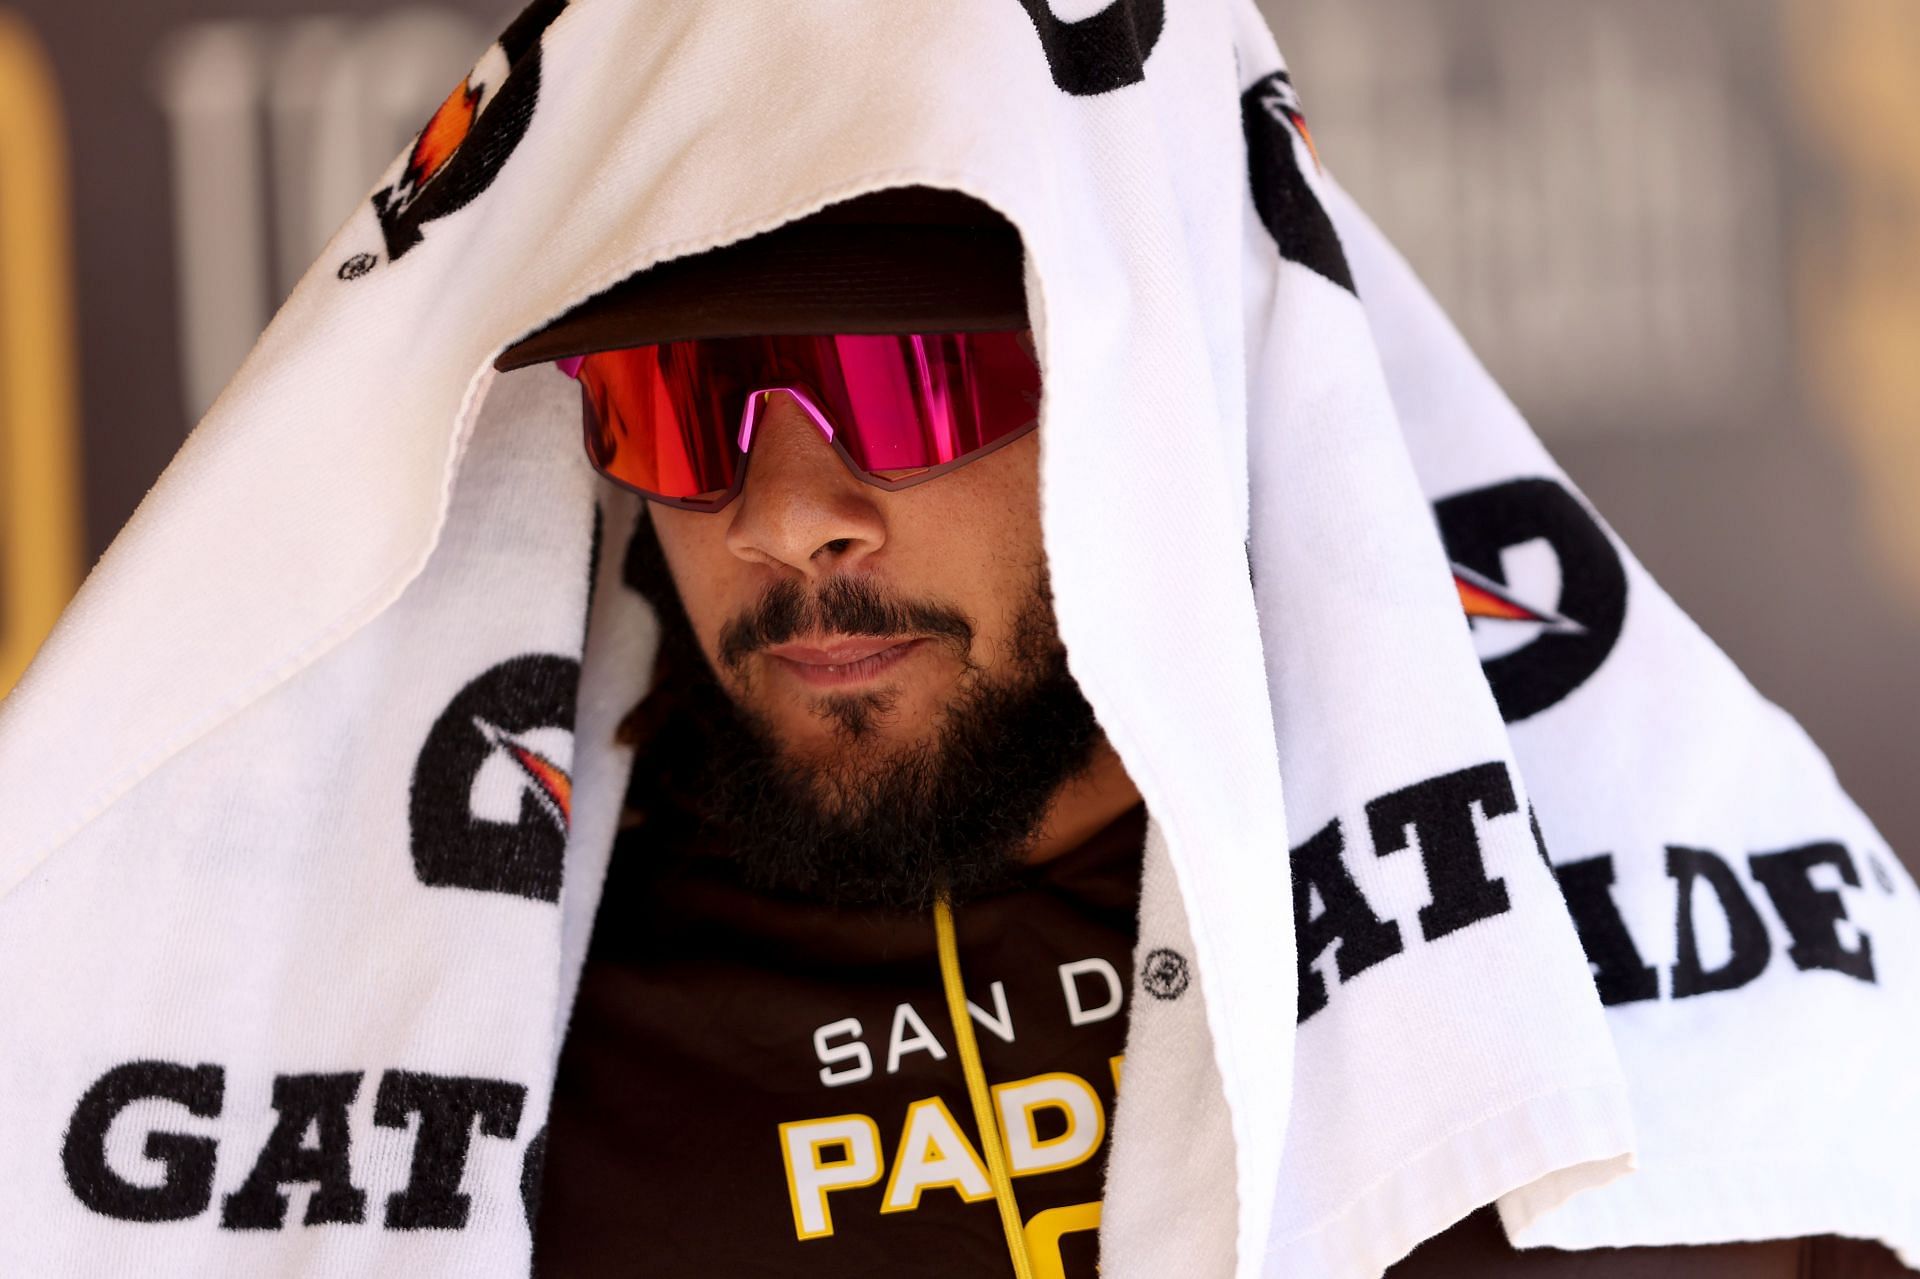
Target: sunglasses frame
{"type": "Point", "coordinates": [743, 440]}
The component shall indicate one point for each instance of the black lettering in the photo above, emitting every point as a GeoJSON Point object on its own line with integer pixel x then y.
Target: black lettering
{"type": "Point", "coordinates": [1810, 913]}
{"type": "Point", "coordinates": [1751, 947]}
{"type": "Point", "coordinates": [1365, 939]}
{"type": "Point", "coordinates": [533, 1164]}
{"type": "Point", "coordinates": [1440, 809]}
{"type": "Point", "coordinates": [1618, 971]}
{"type": "Point", "coordinates": [447, 1106]}
{"type": "Point", "coordinates": [187, 1188]}
{"type": "Point", "coordinates": [318, 1102]}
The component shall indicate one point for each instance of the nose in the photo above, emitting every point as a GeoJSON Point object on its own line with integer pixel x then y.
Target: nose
{"type": "Point", "coordinates": [800, 509]}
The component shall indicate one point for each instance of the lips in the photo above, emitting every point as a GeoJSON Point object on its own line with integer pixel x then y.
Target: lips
{"type": "Point", "coordinates": [848, 661]}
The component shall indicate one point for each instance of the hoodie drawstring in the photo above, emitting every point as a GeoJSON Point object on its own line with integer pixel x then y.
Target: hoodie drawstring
{"type": "Point", "coordinates": [997, 1174]}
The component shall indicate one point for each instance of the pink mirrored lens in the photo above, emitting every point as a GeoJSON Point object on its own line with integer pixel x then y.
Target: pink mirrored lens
{"type": "Point", "coordinates": [912, 401]}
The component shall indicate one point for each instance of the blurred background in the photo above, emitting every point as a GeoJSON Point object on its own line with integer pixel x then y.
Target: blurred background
{"type": "Point", "coordinates": [1685, 235]}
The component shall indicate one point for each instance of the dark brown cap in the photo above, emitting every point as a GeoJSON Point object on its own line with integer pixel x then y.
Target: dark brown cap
{"type": "Point", "coordinates": [904, 260]}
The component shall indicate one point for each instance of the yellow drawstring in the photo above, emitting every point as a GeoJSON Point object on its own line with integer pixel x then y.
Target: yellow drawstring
{"type": "Point", "coordinates": [977, 1090]}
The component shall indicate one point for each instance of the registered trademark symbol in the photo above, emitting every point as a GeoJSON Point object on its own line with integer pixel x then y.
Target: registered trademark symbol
{"type": "Point", "coordinates": [1165, 974]}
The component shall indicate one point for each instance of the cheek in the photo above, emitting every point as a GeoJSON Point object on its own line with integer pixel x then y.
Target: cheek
{"type": "Point", "coordinates": [998, 509]}
{"type": "Point", "coordinates": [976, 542]}
{"type": "Point", "coordinates": [694, 546]}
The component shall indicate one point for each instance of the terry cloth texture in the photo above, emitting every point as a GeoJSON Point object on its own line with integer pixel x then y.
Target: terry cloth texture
{"type": "Point", "coordinates": [1496, 880]}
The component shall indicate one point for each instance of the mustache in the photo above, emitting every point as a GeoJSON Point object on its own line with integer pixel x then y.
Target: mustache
{"type": "Point", "coordinates": [844, 606]}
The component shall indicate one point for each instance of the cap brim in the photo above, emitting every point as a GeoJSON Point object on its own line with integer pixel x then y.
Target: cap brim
{"type": "Point", "coordinates": [819, 275]}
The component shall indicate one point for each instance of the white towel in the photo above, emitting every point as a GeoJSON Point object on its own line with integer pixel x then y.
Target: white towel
{"type": "Point", "coordinates": [1549, 909]}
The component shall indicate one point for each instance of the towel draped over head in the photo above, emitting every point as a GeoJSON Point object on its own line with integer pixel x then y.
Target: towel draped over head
{"type": "Point", "coordinates": [1477, 873]}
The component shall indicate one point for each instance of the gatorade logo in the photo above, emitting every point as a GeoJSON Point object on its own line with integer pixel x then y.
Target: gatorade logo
{"type": "Point", "coordinates": [1542, 586]}
{"type": "Point", "coordinates": [1270, 117]}
{"type": "Point", "coordinates": [468, 141]}
{"type": "Point", "coordinates": [492, 792]}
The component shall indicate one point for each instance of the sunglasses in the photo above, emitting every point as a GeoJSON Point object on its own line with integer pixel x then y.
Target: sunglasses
{"type": "Point", "coordinates": [674, 421]}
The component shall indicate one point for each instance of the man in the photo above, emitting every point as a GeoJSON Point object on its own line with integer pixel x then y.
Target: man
{"type": "Point", "coordinates": [863, 717]}
{"type": "Point", "coordinates": [862, 726]}
{"type": "Point", "coordinates": [346, 932]}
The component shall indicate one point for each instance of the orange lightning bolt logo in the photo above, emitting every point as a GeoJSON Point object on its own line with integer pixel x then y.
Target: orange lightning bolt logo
{"type": "Point", "coordinates": [1282, 101]}
{"type": "Point", "coordinates": [1483, 597]}
{"type": "Point", "coordinates": [443, 134]}
{"type": "Point", "coordinates": [546, 781]}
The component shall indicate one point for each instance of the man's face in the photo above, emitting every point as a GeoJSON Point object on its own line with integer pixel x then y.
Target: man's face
{"type": "Point", "coordinates": [848, 620]}
{"type": "Point", "coordinates": [890, 717]}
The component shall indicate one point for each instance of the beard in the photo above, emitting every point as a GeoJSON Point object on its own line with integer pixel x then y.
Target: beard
{"type": "Point", "coordinates": [867, 821]}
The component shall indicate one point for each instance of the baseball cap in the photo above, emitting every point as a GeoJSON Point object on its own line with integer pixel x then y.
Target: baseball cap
{"type": "Point", "coordinates": [913, 259]}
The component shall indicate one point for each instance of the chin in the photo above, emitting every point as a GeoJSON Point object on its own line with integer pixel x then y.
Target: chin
{"type": "Point", "coordinates": [851, 737]}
